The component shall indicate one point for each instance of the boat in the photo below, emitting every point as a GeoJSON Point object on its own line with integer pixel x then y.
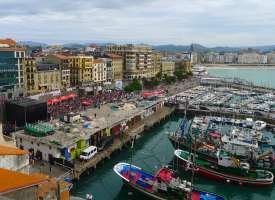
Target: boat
{"type": "Point", "coordinates": [164, 185]}
{"type": "Point", "coordinates": [239, 146]}
{"type": "Point", "coordinates": [225, 168]}
{"type": "Point", "coordinates": [259, 125]}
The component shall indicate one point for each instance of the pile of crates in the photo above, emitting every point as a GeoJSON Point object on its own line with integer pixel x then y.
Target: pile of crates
{"type": "Point", "coordinates": [39, 129]}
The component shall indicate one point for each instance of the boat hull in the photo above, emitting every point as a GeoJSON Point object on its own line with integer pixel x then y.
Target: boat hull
{"type": "Point", "coordinates": [229, 178]}
{"type": "Point", "coordinates": [195, 193]}
{"type": "Point", "coordinates": [184, 146]}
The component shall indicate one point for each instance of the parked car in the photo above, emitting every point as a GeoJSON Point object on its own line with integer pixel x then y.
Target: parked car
{"type": "Point", "coordinates": [88, 153]}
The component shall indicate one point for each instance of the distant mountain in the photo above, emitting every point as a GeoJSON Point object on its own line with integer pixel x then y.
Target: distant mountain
{"type": "Point", "coordinates": [32, 44]}
{"type": "Point", "coordinates": [171, 48]}
{"type": "Point", "coordinates": [163, 48]}
{"type": "Point", "coordinates": [73, 45]}
{"type": "Point", "coordinates": [203, 49]}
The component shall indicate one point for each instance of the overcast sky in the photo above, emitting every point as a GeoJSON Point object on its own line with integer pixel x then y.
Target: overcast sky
{"type": "Point", "coordinates": [208, 22]}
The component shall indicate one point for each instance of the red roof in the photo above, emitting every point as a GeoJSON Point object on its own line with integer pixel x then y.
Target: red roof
{"type": "Point", "coordinates": [98, 61]}
{"type": "Point", "coordinates": [8, 41]}
{"type": "Point", "coordinates": [4, 150]}
{"type": "Point", "coordinates": [93, 45]}
{"type": "Point", "coordinates": [113, 56]}
{"type": "Point", "coordinates": [10, 180]}
{"type": "Point", "coordinates": [62, 57]}
{"type": "Point", "coordinates": [12, 49]}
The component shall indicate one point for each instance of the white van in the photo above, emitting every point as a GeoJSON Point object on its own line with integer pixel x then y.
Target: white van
{"type": "Point", "coordinates": [88, 153]}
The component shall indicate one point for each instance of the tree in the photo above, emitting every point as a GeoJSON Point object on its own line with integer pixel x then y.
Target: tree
{"type": "Point", "coordinates": [169, 79]}
{"type": "Point", "coordinates": [134, 86]}
{"type": "Point", "coordinates": [159, 75]}
{"type": "Point", "coordinates": [179, 74]}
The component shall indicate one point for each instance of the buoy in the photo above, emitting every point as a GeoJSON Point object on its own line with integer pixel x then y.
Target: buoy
{"type": "Point", "coordinates": [228, 181]}
{"type": "Point", "coordinates": [130, 193]}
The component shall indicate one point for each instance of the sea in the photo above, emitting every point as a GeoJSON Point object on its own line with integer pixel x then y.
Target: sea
{"type": "Point", "coordinates": [263, 76]}
{"type": "Point", "coordinates": [154, 150]}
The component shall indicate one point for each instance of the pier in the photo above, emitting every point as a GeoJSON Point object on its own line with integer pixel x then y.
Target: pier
{"type": "Point", "coordinates": [221, 113]}
{"type": "Point", "coordinates": [136, 131]}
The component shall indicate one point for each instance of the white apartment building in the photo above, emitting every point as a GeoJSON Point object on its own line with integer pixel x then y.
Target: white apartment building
{"type": "Point", "coordinates": [250, 58]}
{"type": "Point", "coordinates": [99, 72]}
{"type": "Point", "coordinates": [271, 58]}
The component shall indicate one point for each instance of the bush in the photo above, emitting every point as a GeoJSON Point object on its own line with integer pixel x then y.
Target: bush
{"type": "Point", "coordinates": [169, 79]}
{"type": "Point", "coordinates": [134, 86]}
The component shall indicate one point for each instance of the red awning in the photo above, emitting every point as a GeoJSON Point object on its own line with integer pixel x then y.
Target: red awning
{"type": "Point", "coordinates": [63, 98]}
{"type": "Point", "coordinates": [53, 101]}
{"type": "Point", "coordinates": [86, 103]}
{"type": "Point", "coordinates": [153, 93]}
{"type": "Point", "coordinates": [71, 95]}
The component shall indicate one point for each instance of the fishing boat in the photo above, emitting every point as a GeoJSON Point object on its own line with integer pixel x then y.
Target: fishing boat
{"type": "Point", "coordinates": [225, 168]}
{"type": "Point", "coordinates": [164, 185]}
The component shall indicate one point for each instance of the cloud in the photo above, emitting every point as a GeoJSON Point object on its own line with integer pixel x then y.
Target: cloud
{"type": "Point", "coordinates": [209, 22]}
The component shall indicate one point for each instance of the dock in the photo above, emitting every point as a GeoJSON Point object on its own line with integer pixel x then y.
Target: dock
{"type": "Point", "coordinates": [119, 142]}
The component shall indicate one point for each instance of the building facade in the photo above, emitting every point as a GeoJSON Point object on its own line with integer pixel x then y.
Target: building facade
{"type": "Point", "coordinates": [11, 71]}
{"type": "Point", "coordinates": [117, 66]}
{"type": "Point", "coordinates": [167, 68]}
{"type": "Point", "coordinates": [81, 67]}
{"type": "Point", "coordinates": [31, 82]}
{"type": "Point", "coordinates": [156, 59]}
{"type": "Point", "coordinates": [14, 159]}
{"type": "Point", "coordinates": [271, 58]}
{"type": "Point", "coordinates": [137, 60]}
{"type": "Point", "coordinates": [48, 77]}
{"type": "Point", "coordinates": [99, 71]}
{"type": "Point", "coordinates": [250, 58]}
{"type": "Point", "coordinates": [64, 62]}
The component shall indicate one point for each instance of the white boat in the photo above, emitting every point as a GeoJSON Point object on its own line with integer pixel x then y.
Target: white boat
{"type": "Point", "coordinates": [259, 125]}
{"type": "Point", "coordinates": [239, 147]}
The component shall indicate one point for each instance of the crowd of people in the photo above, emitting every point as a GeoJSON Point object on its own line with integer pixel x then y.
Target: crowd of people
{"type": "Point", "coordinates": [80, 103]}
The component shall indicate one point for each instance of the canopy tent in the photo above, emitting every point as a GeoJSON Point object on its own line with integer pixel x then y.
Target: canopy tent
{"type": "Point", "coordinates": [86, 103]}
{"type": "Point", "coordinates": [153, 93]}
{"type": "Point", "coordinates": [61, 99]}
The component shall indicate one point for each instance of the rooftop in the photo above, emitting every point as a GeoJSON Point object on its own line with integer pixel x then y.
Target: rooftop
{"type": "Point", "coordinates": [62, 57]}
{"type": "Point", "coordinates": [47, 67]}
{"type": "Point", "coordinates": [106, 117]}
{"type": "Point", "coordinates": [8, 41]}
{"type": "Point", "coordinates": [4, 150]}
{"type": "Point", "coordinates": [98, 60]}
{"type": "Point", "coordinates": [26, 102]}
{"type": "Point", "coordinates": [12, 49]}
{"type": "Point", "coordinates": [113, 56]}
{"type": "Point", "coordinates": [10, 180]}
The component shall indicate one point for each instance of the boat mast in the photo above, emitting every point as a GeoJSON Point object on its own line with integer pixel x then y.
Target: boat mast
{"type": "Point", "coordinates": [132, 153]}
{"type": "Point", "coordinates": [193, 161]}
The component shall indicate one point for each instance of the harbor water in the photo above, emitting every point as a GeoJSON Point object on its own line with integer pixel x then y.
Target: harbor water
{"type": "Point", "coordinates": [154, 150]}
{"type": "Point", "coordinates": [150, 152]}
{"type": "Point", "coordinates": [263, 76]}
